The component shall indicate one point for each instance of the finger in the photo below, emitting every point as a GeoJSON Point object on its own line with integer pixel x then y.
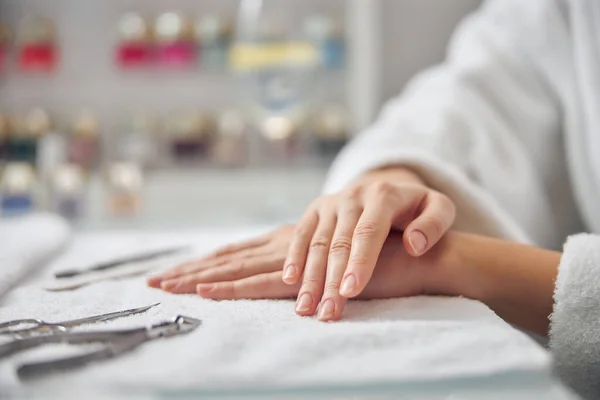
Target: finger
{"type": "Point", "coordinates": [316, 264]}
{"type": "Point", "coordinates": [264, 286]}
{"type": "Point", "coordinates": [369, 236]}
{"type": "Point", "coordinates": [431, 224]}
{"type": "Point", "coordinates": [332, 304]}
{"type": "Point", "coordinates": [202, 264]}
{"type": "Point", "coordinates": [232, 271]}
{"type": "Point", "coordinates": [298, 250]}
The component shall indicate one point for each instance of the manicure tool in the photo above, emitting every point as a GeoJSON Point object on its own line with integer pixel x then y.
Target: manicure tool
{"type": "Point", "coordinates": [120, 261]}
{"type": "Point", "coordinates": [116, 342]}
{"type": "Point", "coordinates": [21, 328]}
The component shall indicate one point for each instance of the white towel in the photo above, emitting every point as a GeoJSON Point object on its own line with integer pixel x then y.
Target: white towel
{"type": "Point", "coordinates": [27, 243]}
{"type": "Point", "coordinates": [415, 341]}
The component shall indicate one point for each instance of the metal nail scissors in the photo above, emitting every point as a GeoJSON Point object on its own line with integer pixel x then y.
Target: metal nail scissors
{"type": "Point", "coordinates": [27, 327]}
{"type": "Point", "coordinates": [116, 343]}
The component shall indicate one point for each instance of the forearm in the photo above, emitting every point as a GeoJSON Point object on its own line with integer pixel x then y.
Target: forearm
{"type": "Point", "coordinates": [514, 280]}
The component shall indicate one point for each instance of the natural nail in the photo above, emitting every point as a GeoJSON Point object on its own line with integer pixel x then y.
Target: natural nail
{"type": "Point", "coordinates": [348, 285]}
{"type": "Point", "coordinates": [170, 284]}
{"type": "Point", "coordinates": [204, 288]}
{"type": "Point", "coordinates": [290, 272]}
{"type": "Point", "coordinates": [417, 241]}
{"type": "Point", "coordinates": [304, 303]}
{"type": "Point", "coordinates": [327, 310]}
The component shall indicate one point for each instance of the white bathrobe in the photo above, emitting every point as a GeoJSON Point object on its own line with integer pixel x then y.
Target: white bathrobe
{"type": "Point", "coordinates": [509, 127]}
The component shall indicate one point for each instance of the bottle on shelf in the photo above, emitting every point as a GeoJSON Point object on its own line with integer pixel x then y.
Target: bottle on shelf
{"type": "Point", "coordinates": [330, 129]}
{"type": "Point", "coordinates": [52, 144]}
{"type": "Point", "coordinates": [24, 139]}
{"type": "Point", "coordinates": [17, 189]}
{"type": "Point", "coordinates": [231, 147]}
{"type": "Point", "coordinates": [191, 136]}
{"type": "Point", "coordinates": [84, 143]}
{"type": "Point", "coordinates": [4, 138]}
{"type": "Point", "coordinates": [214, 35]}
{"type": "Point", "coordinates": [281, 134]}
{"type": "Point", "coordinates": [140, 141]}
{"type": "Point", "coordinates": [175, 41]}
{"type": "Point", "coordinates": [124, 189]}
{"type": "Point", "coordinates": [328, 37]}
{"type": "Point", "coordinates": [5, 37]}
{"type": "Point", "coordinates": [38, 49]}
{"type": "Point", "coordinates": [135, 48]}
{"type": "Point", "coordinates": [67, 191]}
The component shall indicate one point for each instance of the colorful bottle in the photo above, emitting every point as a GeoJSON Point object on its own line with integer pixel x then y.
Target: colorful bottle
{"type": "Point", "coordinates": [214, 36]}
{"type": "Point", "coordinates": [281, 134]}
{"type": "Point", "coordinates": [67, 191]}
{"type": "Point", "coordinates": [17, 189]}
{"type": "Point", "coordinates": [328, 37]}
{"type": "Point", "coordinates": [84, 145]}
{"type": "Point", "coordinates": [52, 145]}
{"type": "Point", "coordinates": [4, 138]}
{"type": "Point", "coordinates": [124, 188]}
{"type": "Point", "coordinates": [135, 48]}
{"type": "Point", "coordinates": [38, 49]}
{"type": "Point", "coordinates": [5, 36]}
{"type": "Point", "coordinates": [191, 136]}
{"type": "Point", "coordinates": [24, 139]}
{"type": "Point", "coordinates": [140, 143]}
{"type": "Point", "coordinates": [331, 130]}
{"type": "Point", "coordinates": [175, 41]}
{"type": "Point", "coordinates": [231, 148]}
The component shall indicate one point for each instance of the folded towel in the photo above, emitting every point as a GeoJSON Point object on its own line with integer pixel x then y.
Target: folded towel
{"type": "Point", "coordinates": [26, 244]}
{"type": "Point", "coordinates": [264, 344]}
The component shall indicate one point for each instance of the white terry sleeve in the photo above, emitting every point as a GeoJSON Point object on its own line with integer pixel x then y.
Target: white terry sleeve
{"type": "Point", "coordinates": [457, 124]}
{"type": "Point", "coordinates": [575, 322]}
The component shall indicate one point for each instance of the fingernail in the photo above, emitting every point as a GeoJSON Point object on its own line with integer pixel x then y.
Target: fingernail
{"type": "Point", "coordinates": [348, 285]}
{"type": "Point", "coordinates": [169, 285]}
{"type": "Point", "coordinates": [290, 272]}
{"type": "Point", "coordinates": [304, 303]}
{"type": "Point", "coordinates": [417, 241]}
{"type": "Point", "coordinates": [204, 288]}
{"type": "Point", "coordinates": [327, 310]}
{"type": "Point", "coordinates": [154, 281]}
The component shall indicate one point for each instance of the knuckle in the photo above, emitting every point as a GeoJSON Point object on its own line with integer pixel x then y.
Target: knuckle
{"type": "Point", "coordinates": [382, 188]}
{"type": "Point", "coordinates": [310, 281]}
{"type": "Point", "coordinates": [351, 194]}
{"type": "Point", "coordinates": [340, 246]}
{"type": "Point", "coordinates": [332, 287]}
{"type": "Point", "coordinates": [236, 270]}
{"type": "Point", "coordinates": [366, 229]}
{"type": "Point", "coordinates": [319, 243]}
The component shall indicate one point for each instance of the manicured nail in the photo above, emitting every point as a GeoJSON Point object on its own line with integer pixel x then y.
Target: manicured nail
{"type": "Point", "coordinates": [154, 281]}
{"type": "Point", "coordinates": [204, 288]}
{"type": "Point", "coordinates": [169, 285]}
{"type": "Point", "coordinates": [327, 310]}
{"type": "Point", "coordinates": [417, 241]}
{"type": "Point", "coordinates": [348, 286]}
{"type": "Point", "coordinates": [290, 272]}
{"type": "Point", "coordinates": [304, 303]}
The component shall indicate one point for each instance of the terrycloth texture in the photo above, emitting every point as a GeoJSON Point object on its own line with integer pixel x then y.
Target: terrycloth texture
{"type": "Point", "coordinates": [575, 330]}
{"type": "Point", "coordinates": [27, 243]}
{"type": "Point", "coordinates": [263, 343]}
{"type": "Point", "coordinates": [506, 125]}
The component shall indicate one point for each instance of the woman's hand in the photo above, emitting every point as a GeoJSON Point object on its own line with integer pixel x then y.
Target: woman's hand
{"type": "Point", "coordinates": [336, 245]}
{"type": "Point", "coordinates": [397, 274]}
{"type": "Point", "coordinates": [231, 263]}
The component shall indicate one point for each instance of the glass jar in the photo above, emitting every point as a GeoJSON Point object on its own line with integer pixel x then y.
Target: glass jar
{"type": "Point", "coordinates": [17, 189]}
{"type": "Point", "coordinates": [135, 47]}
{"type": "Point", "coordinates": [84, 143]}
{"type": "Point", "coordinates": [67, 194]}
{"type": "Point", "coordinates": [38, 49]}
{"type": "Point", "coordinates": [175, 41]}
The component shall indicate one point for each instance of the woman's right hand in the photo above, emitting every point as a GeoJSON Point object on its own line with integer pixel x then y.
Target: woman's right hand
{"type": "Point", "coordinates": [335, 247]}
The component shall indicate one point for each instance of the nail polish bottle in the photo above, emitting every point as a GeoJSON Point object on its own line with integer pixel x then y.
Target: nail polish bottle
{"type": "Point", "coordinates": [124, 185]}
{"type": "Point", "coordinates": [135, 47]}
{"type": "Point", "coordinates": [281, 134]}
{"type": "Point", "coordinates": [17, 189]}
{"type": "Point", "coordinates": [52, 146]}
{"type": "Point", "coordinates": [38, 51]}
{"type": "Point", "coordinates": [214, 36]}
{"type": "Point", "coordinates": [175, 41]}
{"type": "Point", "coordinates": [230, 149]}
{"type": "Point", "coordinates": [84, 144]}
{"type": "Point", "coordinates": [191, 137]}
{"type": "Point", "coordinates": [331, 130]}
{"type": "Point", "coordinates": [24, 139]}
{"type": "Point", "coordinates": [327, 36]}
{"type": "Point", "coordinates": [67, 191]}
{"type": "Point", "coordinates": [4, 138]}
{"type": "Point", "coordinates": [139, 142]}
{"type": "Point", "coordinates": [5, 37]}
